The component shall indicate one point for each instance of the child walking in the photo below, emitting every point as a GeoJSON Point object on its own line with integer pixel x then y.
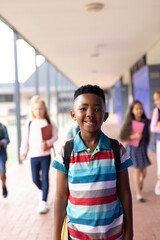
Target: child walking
{"type": "Point", "coordinates": [155, 127]}
{"type": "Point", "coordinates": [4, 140]}
{"type": "Point", "coordinates": [138, 154]}
{"type": "Point", "coordinates": [39, 150]}
{"type": "Point", "coordinates": [95, 196]}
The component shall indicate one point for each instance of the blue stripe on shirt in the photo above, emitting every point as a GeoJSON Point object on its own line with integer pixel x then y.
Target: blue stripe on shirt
{"type": "Point", "coordinates": [59, 166]}
{"type": "Point", "coordinates": [91, 215]}
{"type": "Point", "coordinates": [92, 178]}
{"type": "Point", "coordinates": [92, 171]}
{"type": "Point", "coordinates": [96, 222]}
{"type": "Point", "coordinates": [125, 165]}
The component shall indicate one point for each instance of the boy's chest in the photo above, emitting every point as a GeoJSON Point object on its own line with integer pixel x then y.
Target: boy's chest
{"type": "Point", "coordinates": [87, 167]}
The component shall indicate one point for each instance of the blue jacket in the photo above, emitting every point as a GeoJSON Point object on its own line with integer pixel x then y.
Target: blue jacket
{"type": "Point", "coordinates": [5, 140]}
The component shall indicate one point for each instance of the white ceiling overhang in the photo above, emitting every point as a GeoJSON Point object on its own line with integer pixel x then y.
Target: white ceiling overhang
{"type": "Point", "coordinates": [67, 35]}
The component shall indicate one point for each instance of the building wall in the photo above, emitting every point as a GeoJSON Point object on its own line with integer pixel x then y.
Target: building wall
{"type": "Point", "coordinates": [127, 80]}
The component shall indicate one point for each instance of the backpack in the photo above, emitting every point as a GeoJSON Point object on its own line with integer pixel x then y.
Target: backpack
{"type": "Point", "coordinates": [69, 147]}
{"type": "Point", "coordinates": [1, 131]}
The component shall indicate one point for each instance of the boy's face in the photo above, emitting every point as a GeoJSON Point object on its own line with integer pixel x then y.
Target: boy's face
{"type": "Point", "coordinates": [89, 112]}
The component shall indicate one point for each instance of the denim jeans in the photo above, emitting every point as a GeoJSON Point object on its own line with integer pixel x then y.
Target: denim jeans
{"type": "Point", "coordinates": [40, 174]}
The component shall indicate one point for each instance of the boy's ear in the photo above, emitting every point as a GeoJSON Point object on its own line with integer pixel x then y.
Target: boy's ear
{"type": "Point", "coordinates": [106, 116]}
{"type": "Point", "coordinates": [72, 113]}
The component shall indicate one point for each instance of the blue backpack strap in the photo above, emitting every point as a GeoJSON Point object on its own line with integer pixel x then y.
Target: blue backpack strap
{"type": "Point", "coordinates": [115, 147]}
{"type": "Point", "coordinates": [67, 153]}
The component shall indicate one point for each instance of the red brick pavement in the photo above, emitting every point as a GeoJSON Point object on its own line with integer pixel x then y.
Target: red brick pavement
{"type": "Point", "coordinates": [19, 219]}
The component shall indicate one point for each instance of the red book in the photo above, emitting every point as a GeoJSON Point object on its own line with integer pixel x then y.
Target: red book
{"type": "Point", "coordinates": [46, 132]}
{"type": "Point", "coordinates": [137, 127]}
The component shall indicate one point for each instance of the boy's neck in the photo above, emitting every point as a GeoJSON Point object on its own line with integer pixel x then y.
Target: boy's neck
{"type": "Point", "coordinates": [91, 139]}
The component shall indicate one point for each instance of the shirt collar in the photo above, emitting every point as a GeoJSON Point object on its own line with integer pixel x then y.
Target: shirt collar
{"type": "Point", "coordinates": [103, 143]}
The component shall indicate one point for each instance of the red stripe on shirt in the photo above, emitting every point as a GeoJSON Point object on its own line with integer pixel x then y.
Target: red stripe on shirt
{"type": "Point", "coordinates": [92, 201]}
{"type": "Point", "coordinates": [120, 146]}
{"type": "Point", "coordinates": [80, 235]}
{"type": "Point", "coordinates": [87, 158]}
{"type": "Point", "coordinates": [114, 237]}
{"type": "Point", "coordinates": [77, 234]}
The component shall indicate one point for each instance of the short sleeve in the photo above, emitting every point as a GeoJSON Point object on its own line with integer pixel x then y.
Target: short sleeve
{"type": "Point", "coordinates": [125, 160]}
{"type": "Point", "coordinates": [58, 161]}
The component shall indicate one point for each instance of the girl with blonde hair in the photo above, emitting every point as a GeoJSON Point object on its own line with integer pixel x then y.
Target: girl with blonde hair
{"type": "Point", "coordinates": [39, 150]}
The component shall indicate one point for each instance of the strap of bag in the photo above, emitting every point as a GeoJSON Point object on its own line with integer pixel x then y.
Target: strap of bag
{"type": "Point", "coordinates": [115, 147]}
{"type": "Point", "coordinates": [69, 147]}
{"type": "Point", "coordinates": [158, 114]}
{"type": "Point", "coordinates": [67, 153]}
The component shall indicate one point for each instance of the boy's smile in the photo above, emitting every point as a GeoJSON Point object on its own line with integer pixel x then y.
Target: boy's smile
{"type": "Point", "coordinates": [89, 112]}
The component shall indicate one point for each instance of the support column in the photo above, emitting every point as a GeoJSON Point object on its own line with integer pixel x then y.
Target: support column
{"type": "Point", "coordinates": [17, 97]}
{"type": "Point", "coordinates": [48, 86]}
{"type": "Point", "coordinates": [36, 76]}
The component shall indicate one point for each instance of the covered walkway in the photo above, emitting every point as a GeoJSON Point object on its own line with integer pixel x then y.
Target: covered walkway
{"type": "Point", "coordinates": [19, 219]}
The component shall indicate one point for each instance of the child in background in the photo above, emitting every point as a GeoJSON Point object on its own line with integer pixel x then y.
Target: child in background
{"type": "Point", "coordinates": [73, 131]}
{"type": "Point", "coordinates": [138, 154]}
{"type": "Point", "coordinates": [94, 194]}
{"type": "Point", "coordinates": [39, 150]}
{"type": "Point", "coordinates": [4, 140]}
{"type": "Point", "coordinates": [155, 127]}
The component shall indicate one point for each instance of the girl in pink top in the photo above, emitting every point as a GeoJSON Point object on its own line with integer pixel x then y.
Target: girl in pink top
{"type": "Point", "coordinates": [39, 150]}
{"type": "Point", "coordinates": [155, 127]}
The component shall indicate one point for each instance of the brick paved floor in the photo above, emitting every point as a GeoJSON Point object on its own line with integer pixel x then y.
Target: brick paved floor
{"type": "Point", "coordinates": [19, 219]}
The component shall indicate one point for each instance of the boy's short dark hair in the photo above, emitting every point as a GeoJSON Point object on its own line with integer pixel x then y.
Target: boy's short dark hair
{"type": "Point", "coordinates": [90, 89]}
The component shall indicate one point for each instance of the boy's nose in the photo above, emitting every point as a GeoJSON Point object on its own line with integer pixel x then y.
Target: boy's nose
{"type": "Point", "coordinates": [90, 112]}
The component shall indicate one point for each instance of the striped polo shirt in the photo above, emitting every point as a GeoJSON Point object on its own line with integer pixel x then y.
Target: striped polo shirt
{"type": "Point", "coordinates": [94, 210]}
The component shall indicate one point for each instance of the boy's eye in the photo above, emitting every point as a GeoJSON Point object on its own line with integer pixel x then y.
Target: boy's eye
{"type": "Point", "coordinates": [83, 109]}
{"type": "Point", "coordinates": [98, 110]}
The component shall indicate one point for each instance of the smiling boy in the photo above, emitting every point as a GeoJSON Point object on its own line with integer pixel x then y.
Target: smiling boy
{"type": "Point", "coordinates": [95, 196]}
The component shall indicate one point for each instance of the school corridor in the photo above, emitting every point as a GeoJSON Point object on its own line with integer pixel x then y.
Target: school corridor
{"type": "Point", "coordinates": [19, 219]}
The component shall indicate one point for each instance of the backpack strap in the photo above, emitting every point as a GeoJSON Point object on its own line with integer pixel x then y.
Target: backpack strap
{"type": "Point", "coordinates": [1, 131]}
{"type": "Point", "coordinates": [158, 114]}
{"type": "Point", "coordinates": [67, 153]}
{"type": "Point", "coordinates": [115, 147]}
{"type": "Point", "coordinates": [48, 120]}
